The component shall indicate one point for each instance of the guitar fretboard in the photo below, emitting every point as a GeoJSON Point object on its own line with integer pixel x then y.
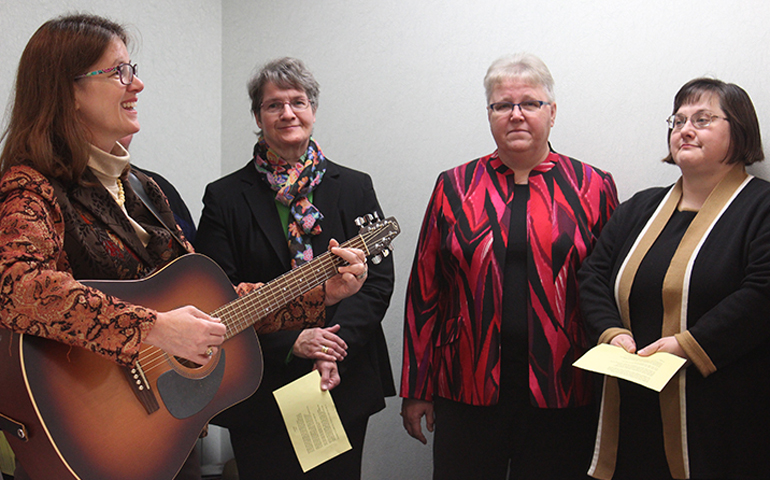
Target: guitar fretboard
{"type": "Point", "coordinates": [245, 311]}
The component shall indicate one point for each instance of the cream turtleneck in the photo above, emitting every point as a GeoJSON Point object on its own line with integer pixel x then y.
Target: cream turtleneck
{"type": "Point", "coordinates": [108, 167]}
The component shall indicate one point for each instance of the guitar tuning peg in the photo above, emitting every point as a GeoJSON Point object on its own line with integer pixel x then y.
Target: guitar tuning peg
{"type": "Point", "coordinates": [386, 252]}
{"type": "Point", "coordinates": [369, 217]}
{"type": "Point", "coordinates": [376, 216]}
{"type": "Point", "coordinates": [359, 221]}
{"type": "Point", "coordinates": [376, 259]}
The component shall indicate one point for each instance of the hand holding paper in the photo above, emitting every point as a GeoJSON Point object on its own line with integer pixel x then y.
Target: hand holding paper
{"type": "Point", "coordinates": [653, 372]}
{"type": "Point", "coordinates": [312, 421]}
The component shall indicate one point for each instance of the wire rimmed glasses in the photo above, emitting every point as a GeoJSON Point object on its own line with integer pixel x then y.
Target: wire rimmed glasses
{"type": "Point", "coordinates": [506, 108]}
{"type": "Point", "coordinates": [699, 120]}
{"type": "Point", "coordinates": [275, 107]}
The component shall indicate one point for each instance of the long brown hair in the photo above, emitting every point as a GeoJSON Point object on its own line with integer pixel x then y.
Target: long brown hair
{"type": "Point", "coordinates": [44, 131]}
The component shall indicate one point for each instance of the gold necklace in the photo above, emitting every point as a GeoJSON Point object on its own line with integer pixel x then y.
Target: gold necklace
{"type": "Point", "coordinates": [121, 199]}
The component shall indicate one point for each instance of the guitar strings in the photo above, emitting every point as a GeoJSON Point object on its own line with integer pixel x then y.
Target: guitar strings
{"type": "Point", "coordinates": [241, 312]}
{"type": "Point", "coordinates": [278, 292]}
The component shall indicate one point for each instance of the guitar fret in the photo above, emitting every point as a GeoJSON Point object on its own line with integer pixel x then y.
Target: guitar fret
{"type": "Point", "coordinates": [249, 309]}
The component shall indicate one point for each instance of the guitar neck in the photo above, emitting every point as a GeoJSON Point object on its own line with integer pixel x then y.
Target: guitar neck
{"type": "Point", "coordinates": [245, 311]}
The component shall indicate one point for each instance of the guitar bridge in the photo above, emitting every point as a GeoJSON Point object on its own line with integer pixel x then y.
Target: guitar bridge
{"type": "Point", "coordinates": [141, 388]}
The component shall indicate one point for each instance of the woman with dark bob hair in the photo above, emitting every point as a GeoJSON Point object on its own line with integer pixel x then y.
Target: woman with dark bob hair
{"type": "Point", "coordinates": [67, 213]}
{"type": "Point", "coordinates": [686, 270]}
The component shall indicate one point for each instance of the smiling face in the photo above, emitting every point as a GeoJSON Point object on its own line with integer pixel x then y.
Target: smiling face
{"type": "Point", "coordinates": [287, 132]}
{"type": "Point", "coordinates": [521, 137]}
{"type": "Point", "coordinates": [702, 151]}
{"type": "Point", "coordinates": [106, 107]}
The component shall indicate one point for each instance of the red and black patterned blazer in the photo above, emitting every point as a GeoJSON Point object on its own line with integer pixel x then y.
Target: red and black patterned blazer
{"type": "Point", "coordinates": [455, 291]}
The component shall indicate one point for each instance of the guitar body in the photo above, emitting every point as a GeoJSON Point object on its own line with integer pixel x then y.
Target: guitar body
{"type": "Point", "coordinates": [83, 416]}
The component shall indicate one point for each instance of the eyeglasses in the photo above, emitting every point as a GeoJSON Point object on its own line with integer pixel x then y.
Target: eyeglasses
{"type": "Point", "coordinates": [506, 108]}
{"type": "Point", "coordinates": [276, 106]}
{"type": "Point", "coordinates": [126, 71]}
{"type": "Point", "coordinates": [699, 121]}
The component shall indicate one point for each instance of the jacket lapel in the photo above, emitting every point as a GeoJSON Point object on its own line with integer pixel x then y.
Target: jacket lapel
{"type": "Point", "coordinates": [98, 202]}
{"type": "Point", "coordinates": [256, 194]}
{"type": "Point", "coordinates": [326, 199]}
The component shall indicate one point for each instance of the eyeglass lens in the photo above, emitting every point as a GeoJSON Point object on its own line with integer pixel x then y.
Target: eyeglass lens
{"type": "Point", "coordinates": [297, 105]}
{"type": "Point", "coordinates": [505, 108]}
{"type": "Point", "coordinates": [127, 72]}
{"type": "Point", "coordinates": [699, 120]}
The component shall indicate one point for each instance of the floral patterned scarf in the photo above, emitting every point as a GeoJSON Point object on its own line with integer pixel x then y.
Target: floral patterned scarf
{"type": "Point", "coordinates": [292, 185]}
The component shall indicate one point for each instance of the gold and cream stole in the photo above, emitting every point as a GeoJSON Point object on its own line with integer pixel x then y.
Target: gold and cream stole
{"type": "Point", "coordinates": [675, 296]}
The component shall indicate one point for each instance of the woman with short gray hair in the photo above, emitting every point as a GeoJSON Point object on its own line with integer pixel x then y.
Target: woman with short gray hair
{"type": "Point", "coordinates": [286, 73]}
{"type": "Point", "coordinates": [492, 320]}
{"type": "Point", "coordinates": [274, 214]}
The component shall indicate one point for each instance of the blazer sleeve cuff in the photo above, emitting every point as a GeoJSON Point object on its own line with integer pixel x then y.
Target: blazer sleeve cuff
{"type": "Point", "coordinates": [610, 333]}
{"type": "Point", "coordinates": [695, 353]}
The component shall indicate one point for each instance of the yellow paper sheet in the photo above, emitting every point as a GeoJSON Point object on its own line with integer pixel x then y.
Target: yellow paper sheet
{"type": "Point", "coordinates": [653, 372]}
{"type": "Point", "coordinates": [7, 459]}
{"type": "Point", "coordinates": [312, 421]}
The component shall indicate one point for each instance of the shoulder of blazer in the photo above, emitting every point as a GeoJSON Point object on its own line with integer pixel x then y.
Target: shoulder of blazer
{"type": "Point", "coordinates": [634, 212]}
{"type": "Point", "coordinates": [348, 177]}
{"type": "Point", "coordinates": [247, 175]}
{"type": "Point", "coordinates": [647, 198]}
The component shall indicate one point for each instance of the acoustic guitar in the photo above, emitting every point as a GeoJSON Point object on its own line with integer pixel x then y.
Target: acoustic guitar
{"type": "Point", "coordinates": [72, 414]}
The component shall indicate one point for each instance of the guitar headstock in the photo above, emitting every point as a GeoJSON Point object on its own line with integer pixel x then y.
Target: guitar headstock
{"type": "Point", "coordinates": [377, 235]}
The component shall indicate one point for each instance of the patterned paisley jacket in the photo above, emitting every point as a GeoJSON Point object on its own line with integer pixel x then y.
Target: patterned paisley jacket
{"type": "Point", "coordinates": [50, 236]}
{"type": "Point", "coordinates": [454, 296]}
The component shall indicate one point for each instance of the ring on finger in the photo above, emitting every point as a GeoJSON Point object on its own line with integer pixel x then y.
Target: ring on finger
{"type": "Point", "coordinates": [361, 275]}
{"type": "Point", "coordinates": [210, 351]}
{"type": "Point", "coordinates": [324, 348]}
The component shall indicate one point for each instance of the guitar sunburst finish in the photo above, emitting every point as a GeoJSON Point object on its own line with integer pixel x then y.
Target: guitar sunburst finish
{"type": "Point", "coordinates": [87, 418]}
{"type": "Point", "coordinates": [82, 405]}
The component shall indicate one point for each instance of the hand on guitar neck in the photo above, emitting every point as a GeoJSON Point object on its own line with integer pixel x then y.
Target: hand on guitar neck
{"type": "Point", "coordinates": [350, 278]}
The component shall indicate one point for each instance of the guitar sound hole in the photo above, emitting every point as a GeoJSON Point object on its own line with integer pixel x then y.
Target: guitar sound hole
{"type": "Point", "coordinates": [187, 363]}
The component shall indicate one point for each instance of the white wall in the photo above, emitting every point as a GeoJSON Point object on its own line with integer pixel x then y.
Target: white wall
{"type": "Point", "coordinates": [402, 96]}
{"type": "Point", "coordinates": [178, 49]}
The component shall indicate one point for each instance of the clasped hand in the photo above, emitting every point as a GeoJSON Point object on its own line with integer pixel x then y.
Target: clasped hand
{"type": "Point", "coordinates": [325, 347]}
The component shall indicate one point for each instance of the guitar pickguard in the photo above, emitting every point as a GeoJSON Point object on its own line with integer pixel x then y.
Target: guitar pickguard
{"type": "Point", "coordinates": [183, 396]}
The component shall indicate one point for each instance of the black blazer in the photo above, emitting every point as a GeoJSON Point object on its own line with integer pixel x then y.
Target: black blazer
{"type": "Point", "coordinates": [240, 229]}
